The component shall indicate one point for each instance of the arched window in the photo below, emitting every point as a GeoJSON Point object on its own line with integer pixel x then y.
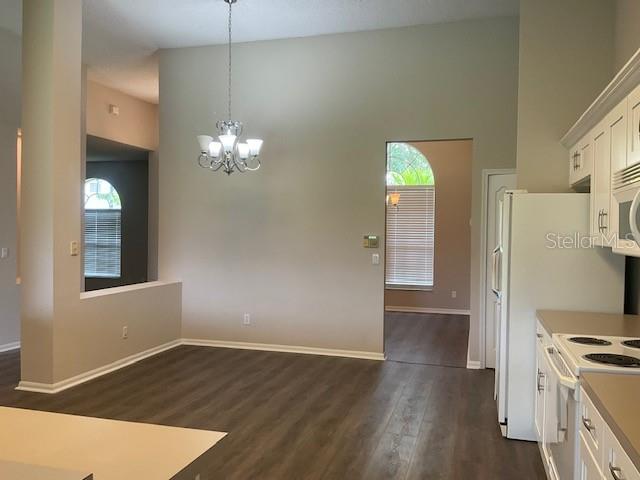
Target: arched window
{"type": "Point", "coordinates": [411, 211]}
{"type": "Point", "coordinates": [102, 229]}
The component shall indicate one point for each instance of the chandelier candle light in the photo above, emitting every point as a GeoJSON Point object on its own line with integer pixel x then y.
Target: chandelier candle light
{"type": "Point", "coordinates": [227, 153]}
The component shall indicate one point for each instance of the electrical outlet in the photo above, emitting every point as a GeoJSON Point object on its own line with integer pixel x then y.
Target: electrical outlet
{"type": "Point", "coordinates": [197, 477]}
{"type": "Point", "coordinates": [246, 320]}
{"type": "Point", "coordinates": [125, 332]}
{"type": "Point", "coordinates": [454, 294]}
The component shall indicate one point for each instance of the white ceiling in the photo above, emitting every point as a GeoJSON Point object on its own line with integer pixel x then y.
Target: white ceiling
{"type": "Point", "coordinates": [121, 36]}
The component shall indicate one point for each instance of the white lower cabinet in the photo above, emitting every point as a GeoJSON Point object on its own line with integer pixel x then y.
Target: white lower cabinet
{"type": "Point", "coordinates": [617, 464]}
{"type": "Point", "coordinates": [589, 466]}
{"type": "Point", "coordinates": [601, 455]}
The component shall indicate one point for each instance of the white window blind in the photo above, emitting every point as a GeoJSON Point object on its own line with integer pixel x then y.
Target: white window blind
{"type": "Point", "coordinates": [410, 237]}
{"type": "Point", "coordinates": [102, 243]}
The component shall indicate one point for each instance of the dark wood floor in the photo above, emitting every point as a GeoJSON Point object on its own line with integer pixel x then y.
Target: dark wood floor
{"type": "Point", "coordinates": [429, 339]}
{"type": "Point", "coordinates": [306, 417]}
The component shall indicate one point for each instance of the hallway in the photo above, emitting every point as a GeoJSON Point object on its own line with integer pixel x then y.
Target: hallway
{"type": "Point", "coordinates": [427, 339]}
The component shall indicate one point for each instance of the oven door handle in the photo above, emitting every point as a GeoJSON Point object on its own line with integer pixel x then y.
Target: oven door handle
{"type": "Point", "coordinates": [633, 214]}
{"type": "Point", "coordinates": [566, 380]}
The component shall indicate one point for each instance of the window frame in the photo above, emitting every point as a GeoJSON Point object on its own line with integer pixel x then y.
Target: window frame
{"type": "Point", "coordinates": [430, 230]}
{"type": "Point", "coordinates": [96, 212]}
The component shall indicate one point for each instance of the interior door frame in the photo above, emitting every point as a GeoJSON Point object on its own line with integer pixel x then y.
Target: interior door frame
{"type": "Point", "coordinates": [486, 174]}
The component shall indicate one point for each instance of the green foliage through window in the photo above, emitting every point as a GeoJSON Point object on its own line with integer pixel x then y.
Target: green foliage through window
{"type": "Point", "coordinates": [406, 165]}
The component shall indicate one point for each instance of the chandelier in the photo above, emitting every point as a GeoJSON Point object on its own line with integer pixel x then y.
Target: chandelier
{"type": "Point", "coordinates": [227, 153]}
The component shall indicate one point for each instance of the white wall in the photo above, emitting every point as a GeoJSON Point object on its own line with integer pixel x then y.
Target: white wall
{"type": "Point", "coordinates": [285, 243]}
{"type": "Point", "coordinates": [136, 124]}
{"type": "Point", "coordinates": [627, 33]}
{"type": "Point", "coordinates": [9, 124]}
{"type": "Point", "coordinates": [566, 59]}
{"type": "Point", "coordinates": [64, 332]}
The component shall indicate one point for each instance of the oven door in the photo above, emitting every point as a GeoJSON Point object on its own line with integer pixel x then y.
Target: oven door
{"type": "Point", "coordinates": [628, 219]}
{"type": "Point", "coordinates": [560, 430]}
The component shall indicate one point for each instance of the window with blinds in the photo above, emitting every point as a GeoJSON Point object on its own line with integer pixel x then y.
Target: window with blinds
{"type": "Point", "coordinates": [102, 243]}
{"type": "Point", "coordinates": [410, 237]}
{"type": "Point", "coordinates": [102, 229]}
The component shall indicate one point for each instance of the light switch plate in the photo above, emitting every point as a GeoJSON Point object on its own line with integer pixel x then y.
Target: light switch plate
{"type": "Point", "coordinates": [74, 250]}
{"type": "Point", "coordinates": [4, 253]}
{"type": "Point", "coordinates": [375, 259]}
{"type": "Point", "coordinates": [371, 241]}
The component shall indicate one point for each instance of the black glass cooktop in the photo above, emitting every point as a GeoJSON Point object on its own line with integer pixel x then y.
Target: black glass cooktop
{"type": "Point", "coordinates": [614, 359]}
{"type": "Point", "coordinates": [590, 341]}
{"type": "Point", "coordinates": [632, 343]}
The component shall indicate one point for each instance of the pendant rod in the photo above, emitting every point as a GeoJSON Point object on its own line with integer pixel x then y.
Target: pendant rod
{"type": "Point", "coordinates": [229, 86]}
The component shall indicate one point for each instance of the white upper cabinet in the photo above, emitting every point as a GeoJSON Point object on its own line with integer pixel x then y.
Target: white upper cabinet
{"type": "Point", "coordinates": [604, 141]}
{"type": "Point", "coordinates": [600, 182]}
{"type": "Point", "coordinates": [617, 125]}
{"type": "Point", "coordinates": [581, 162]}
{"type": "Point", "coordinates": [633, 132]}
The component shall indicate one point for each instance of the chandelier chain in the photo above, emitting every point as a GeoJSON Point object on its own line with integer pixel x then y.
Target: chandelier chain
{"type": "Point", "coordinates": [229, 86]}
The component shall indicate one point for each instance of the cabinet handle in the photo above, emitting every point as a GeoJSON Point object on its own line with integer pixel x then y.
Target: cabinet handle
{"type": "Point", "coordinates": [600, 221]}
{"type": "Point", "coordinates": [588, 424]}
{"type": "Point", "coordinates": [540, 387]}
{"type": "Point", "coordinates": [616, 472]}
{"type": "Point", "coordinates": [604, 225]}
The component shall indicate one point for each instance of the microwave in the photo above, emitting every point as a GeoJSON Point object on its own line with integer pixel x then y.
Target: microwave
{"type": "Point", "coordinates": [626, 208]}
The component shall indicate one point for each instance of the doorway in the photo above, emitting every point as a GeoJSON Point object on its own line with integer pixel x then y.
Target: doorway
{"type": "Point", "coordinates": [495, 184]}
{"type": "Point", "coordinates": [428, 251]}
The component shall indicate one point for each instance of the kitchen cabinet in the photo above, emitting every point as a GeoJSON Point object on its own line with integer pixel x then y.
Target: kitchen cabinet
{"type": "Point", "coordinates": [609, 156]}
{"type": "Point", "coordinates": [616, 122]}
{"type": "Point", "coordinates": [541, 378]}
{"type": "Point", "coordinates": [617, 464]}
{"type": "Point", "coordinates": [600, 454]}
{"type": "Point", "coordinates": [604, 141]}
{"type": "Point", "coordinates": [600, 182]}
{"type": "Point", "coordinates": [580, 162]}
{"type": "Point", "coordinates": [633, 123]}
{"type": "Point", "coordinates": [589, 468]}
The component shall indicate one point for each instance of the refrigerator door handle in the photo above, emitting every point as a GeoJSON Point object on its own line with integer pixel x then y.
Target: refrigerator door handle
{"type": "Point", "coordinates": [495, 275]}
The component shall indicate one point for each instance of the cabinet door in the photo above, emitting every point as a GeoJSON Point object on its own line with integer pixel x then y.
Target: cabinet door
{"type": "Point", "coordinates": [633, 131]}
{"type": "Point", "coordinates": [617, 125]}
{"type": "Point", "coordinates": [580, 161]}
{"type": "Point", "coordinates": [574, 155]}
{"type": "Point", "coordinates": [541, 379]}
{"type": "Point", "coordinates": [600, 182]}
{"type": "Point", "coordinates": [588, 466]}
{"type": "Point", "coordinates": [617, 464]}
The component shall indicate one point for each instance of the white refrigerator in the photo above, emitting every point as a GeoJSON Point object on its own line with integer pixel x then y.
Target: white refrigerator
{"type": "Point", "coordinates": [543, 261]}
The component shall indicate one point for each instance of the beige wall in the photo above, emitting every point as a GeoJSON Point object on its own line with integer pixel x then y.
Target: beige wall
{"type": "Point", "coordinates": [285, 243]}
{"type": "Point", "coordinates": [627, 32]}
{"type": "Point", "coordinates": [566, 59]}
{"type": "Point", "coordinates": [64, 332]}
{"type": "Point", "coordinates": [137, 123]}
{"type": "Point", "coordinates": [9, 124]}
{"type": "Point", "coordinates": [451, 162]}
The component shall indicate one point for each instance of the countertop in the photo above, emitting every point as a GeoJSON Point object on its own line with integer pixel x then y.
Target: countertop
{"type": "Point", "coordinates": [22, 471]}
{"type": "Point", "coordinates": [617, 398]}
{"type": "Point", "coordinates": [589, 323]}
{"type": "Point", "coordinates": [110, 449]}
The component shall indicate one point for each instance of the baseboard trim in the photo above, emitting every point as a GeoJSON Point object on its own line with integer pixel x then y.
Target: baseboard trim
{"type": "Point", "coordinates": [267, 347]}
{"type": "Point", "coordinates": [473, 365]}
{"type": "Point", "coordinates": [441, 311]}
{"type": "Point", "coordinates": [57, 387]}
{"type": "Point", "coordinates": [98, 372]}
{"type": "Point", "coordinates": [7, 347]}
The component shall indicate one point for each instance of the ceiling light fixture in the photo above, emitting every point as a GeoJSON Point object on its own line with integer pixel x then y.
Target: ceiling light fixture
{"type": "Point", "coordinates": [228, 153]}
